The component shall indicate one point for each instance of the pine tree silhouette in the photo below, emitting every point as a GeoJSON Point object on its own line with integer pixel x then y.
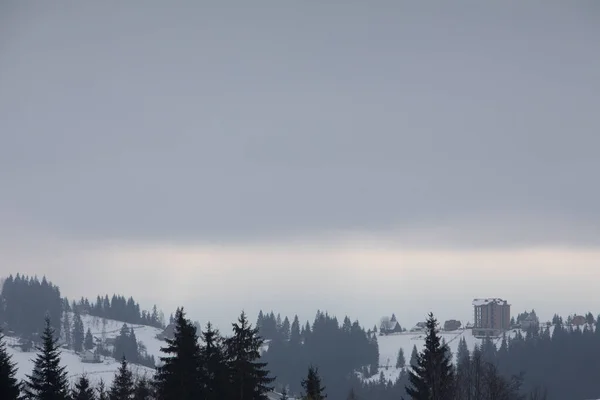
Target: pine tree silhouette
{"type": "Point", "coordinates": [78, 332]}
{"type": "Point", "coordinates": [216, 372]}
{"type": "Point", "coordinates": [312, 385]}
{"type": "Point", "coordinates": [142, 390]}
{"type": "Point", "coordinates": [433, 376]}
{"type": "Point", "coordinates": [179, 378]}
{"type": "Point", "coordinates": [400, 360]}
{"type": "Point", "coordinates": [101, 389]}
{"type": "Point", "coordinates": [414, 357]}
{"type": "Point", "coordinates": [83, 390]}
{"type": "Point", "coordinates": [9, 385]}
{"type": "Point", "coordinates": [89, 340]}
{"type": "Point", "coordinates": [48, 379]}
{"type": "Point", "coordinates": [122, 387]}
{"type": "Point", "coordinates": [250, 378]}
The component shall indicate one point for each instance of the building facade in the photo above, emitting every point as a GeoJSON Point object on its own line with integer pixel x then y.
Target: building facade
{"type": "Point", "coordinates": [491, 317]}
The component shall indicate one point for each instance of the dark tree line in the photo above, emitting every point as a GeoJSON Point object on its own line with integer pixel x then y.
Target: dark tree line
{"type": "Point", "coordinates": [474, 377]}
{"type": "Point", "coordinates": [126, 346]}
{"type": "Point", "coordinates": [273, 327]}
{"type": "Point", "coordinates": [118, 308]}
{"type": "Point", "coordinates": [337, 350]}
{"type": "Point", "coordinates": [560, 358]}
{"type": "Point", "coordinates": [24, 303]}
{"type": "Point", "coordinates": [213, 368]}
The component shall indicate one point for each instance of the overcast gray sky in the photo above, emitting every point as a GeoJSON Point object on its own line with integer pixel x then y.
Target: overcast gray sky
{"type": "Point", "coordinates": [227, 129]}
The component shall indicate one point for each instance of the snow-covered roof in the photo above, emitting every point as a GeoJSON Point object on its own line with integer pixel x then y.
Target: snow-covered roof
{"type": "Point", "coordinates": [485, 302]}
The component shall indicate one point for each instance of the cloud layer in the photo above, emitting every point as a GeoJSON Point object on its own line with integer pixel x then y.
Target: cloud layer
{"type": "Point", "coordinates": [205, 124]}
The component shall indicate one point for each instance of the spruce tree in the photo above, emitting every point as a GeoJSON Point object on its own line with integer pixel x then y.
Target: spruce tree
{"type": "Point", "coordinates": [285, 329]}
{"type": "Point", "coordinates": [295, 332]}
{"type": "Point", "coordinates": [67, 328]}
{"type": "Point", "coordinates": [48, 381]}
{"type": "Point", "coordinates": [216, 373]}
{"type": "Point", "coordinates": [250, 378]}
{"type": "Point", "coordinates": [400, 360]}
{"type": "Point", "coordinates": [284, 395]}
{"type": "Point", "coordinates": [179, 378]}
{"type": "Point", "coordinates": [432, 378]}
{"type": "Point", "coordinates": [414, 357]}
{"type": "Point", "coordinates": [463, 369]}
{"type": "Point", "coordinates": [122, 387]}
{"type": "Point", "coordinates": [101, 389]}
{"type": "Point", "coordinates": [133, 346]}
{"type": "Point", "coordinates": [83, 390]}
{"type": "Point", "coordinates": [142, 390]}
{"type": "Point", "coordinates": [312, 385]}
{"type": "Point", "coordinates": [89, 340]}
{"type": "Point", "coordinates": [9, 385]}
{"type": "Point", "coordinates": [78, 332]}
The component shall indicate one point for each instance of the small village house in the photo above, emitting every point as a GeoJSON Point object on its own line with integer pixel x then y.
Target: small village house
{"type": "Point", "coordinates": [89, 356]}
{"type": "Point", "coordinates": [452, 325]}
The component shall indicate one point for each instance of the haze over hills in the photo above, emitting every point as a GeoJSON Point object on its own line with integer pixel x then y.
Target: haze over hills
{"type": "Point", "coordinates": [354, 159]}
{"type": "Point", "coordinates": [371, 361]}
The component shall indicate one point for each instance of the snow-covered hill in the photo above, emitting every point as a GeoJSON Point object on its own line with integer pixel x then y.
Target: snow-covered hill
{"type": "Point", "coordinates": [390, 345]}
{"type": "Point", "coordinates": [104, 370]}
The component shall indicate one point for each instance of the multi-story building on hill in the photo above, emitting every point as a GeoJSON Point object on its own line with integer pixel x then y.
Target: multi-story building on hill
{"type": "Point", "coordinates": [492, 317]}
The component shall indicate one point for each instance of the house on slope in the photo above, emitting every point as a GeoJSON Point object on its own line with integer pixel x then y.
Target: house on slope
{"type": "Point", "coordinates": [89, 356]}
{"type": "Point", "coordinates": [530, 322]}
{"type": "Point", "coordinates": [452, 325]}
{"type": "Point", "coordinates": [578, 320]}
{"type": "Point", "coordinates": [167, 333]}
{"type": "Point", "coordinates": [419, 327]}
{"type": "Point", "coordinates": [389, 325]}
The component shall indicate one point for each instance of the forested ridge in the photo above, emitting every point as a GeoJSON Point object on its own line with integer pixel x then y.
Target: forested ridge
{"type": "Point", "coordinates": [325, 355]}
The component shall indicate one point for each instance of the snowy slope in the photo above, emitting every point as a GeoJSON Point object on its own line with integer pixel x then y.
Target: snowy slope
{"type": "Point", "coordinates": [391, 344]}
{"type": "Point", "coordinates": [388, 350]}
{"type": "Point", "coordinates": [105, 370]}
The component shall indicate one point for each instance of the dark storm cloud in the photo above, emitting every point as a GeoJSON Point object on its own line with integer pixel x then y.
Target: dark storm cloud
{"type": "Point", "coordinates": [197, 122]}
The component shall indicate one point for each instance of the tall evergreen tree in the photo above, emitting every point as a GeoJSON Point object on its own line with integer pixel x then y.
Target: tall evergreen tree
{"type": "Point", "coordinates": [122, 387]}
{"type": "Point", "coordinates": [142, 390]}
{"type": "Point", "coordinates": [101, 389]}
{"type": "Point", "coordinates": [78, 332]}
{"type": "Point", "coordinates": [312, 385]}
{"type": "Point", "coordinates": [83, 390]}
{"type": "Point", "coordinates": [179, 377]}
{"type": "Point", "coordinates": [89, 340]}
{"type": "Point", "coordinates": [463, 369]}
{"type": "Point", "coordinates": [285, 329]}
{"type": "Point", "coordinates": [67, 328]}
{"type": "Point", "coordinates": [48, 380]}
{"type": "Point", "coordinates": [251, 380]}
{"type": "Point", "coordinates": [400, 360]}
{"type": "Point", "coordinates": [433, 377]}
{"type": "Point", "coordinates": [216, 373]}
{"type": "Point", "coordinates": [9, 385]}
{"type": "Point", "coordinates": [414, 357]}
{"type": "Point", "coordinates": [295, 331]}
{"type": "Point", "coordinates": [126, 345]}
